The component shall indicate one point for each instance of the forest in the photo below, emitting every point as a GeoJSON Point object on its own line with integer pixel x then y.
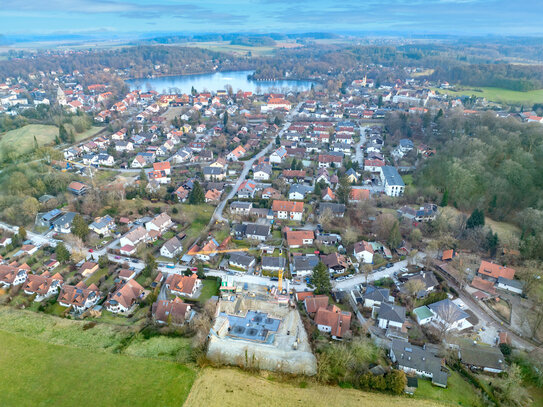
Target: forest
{"type": "Point", "coordinates": [483, 162]}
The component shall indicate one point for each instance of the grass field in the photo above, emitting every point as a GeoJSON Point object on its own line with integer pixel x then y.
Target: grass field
{"type": "Point", "coordinates": [40, 374]}
{"type": "Point", "coordinates": [232, 387]}
{"type": "Point", "coordinates": [499, 95]}
{"type": "Point", "coordinates": [225, 46]}
{"type": "Point", "coordinates": [458, 391]}
{"type": "Point", "coordinates": [22, 139]}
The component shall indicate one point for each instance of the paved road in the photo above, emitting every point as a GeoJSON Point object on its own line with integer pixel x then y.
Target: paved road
{"type": "Point", "coordinates": [348, 285]}
{"type": "Point", "coordinates": [359, 155]}
{"type": "Point", "coordinates": [217, 214]}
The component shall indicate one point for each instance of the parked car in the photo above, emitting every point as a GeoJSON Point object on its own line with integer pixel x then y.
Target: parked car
{"type": "Point", "coordinates": [389, 265]}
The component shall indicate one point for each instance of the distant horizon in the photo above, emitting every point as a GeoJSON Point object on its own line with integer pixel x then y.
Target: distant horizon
{"type": "Point", "coordinates": [132, 18]}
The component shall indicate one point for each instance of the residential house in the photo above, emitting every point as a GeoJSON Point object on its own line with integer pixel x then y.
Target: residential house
{"type": "Point", "coordinates": [390, 315]}
{"type": "Point", "coordinates": [236, 154]}
{"type": "Point", "coordinates": [303, 265]}
{"type": "Point", "coordinates": [288, 210]}
{"type": "Point", "coordinates": [63, 224]}
{"type": "Point", "coordinates": [102, 225]}
{"type": "Point", "coordinates": [247, 189]}
{"type": "Point", "coordinates": [336, 263]}
{"type": "Point", "coordinates": [335, 209]}
{"type": "Point", "coordinates": [79, 297]}
{"type": "Point", "coordinates": [375, 296]}
{"type": "Point", "coordinates": [214, 173]}
{"type": "Point", "coordinates": [159, 223]}
{"type": "Point", "coordinates": [241, 208]}
{"type": "Point", "coordinates": [363, 252]}
{"type": "Point", "coordinates": [182, 285]}
{"type": "Point", "coordinates": [449, 315]}
{"type": "Point", "coordinates": [213, 195]}
{"type": "Point", "coordinates": [162, 166]}
{"type": "Point", "coordinates": [299, 238]}
{"type": "Point", "coordinates": [428, 282]}
{"type": "Point", "coordinates": [43, 285]}
{"type": "Point", "coordinates": [271, 193]}
{"type": "Point", "coordinates": [414, 359]}
{"type": "Point", "coordinates": [392, 181]}
{"type": "Point", "coordinates": [130, 241]}
{"type": "Point", "coordinates": [272, 264]}
{"type": "Point", "coordinates": [491, 271]}
{"type": "Point", "coordinates": [171, 248]}
{"type": "Point", "coordinates": [359, 195]}
{"type": "Point", "coordinates": [12, 276]}
{"type": "Point", "coordinates": [262, 172]}
{"type": "Point", "coordinates": [124, 298]}
{"type": "Point", "coordinates": [481, 357]}
{"type": "Point", "coordinates": [241, 261]}
{"type": "Point", "coordinates": [313, 302]}
{"type": "Point", "coordinates": [334, 321]}
{"type": "Point", "coordinates": [175, 312]}
{"type": "Point", "coordinates": [252, 231]}
{"type": "Point", "coordinates": [88, 268]}
{"type": "Point", "coordinates": [298, 192]}
{"type": "Point", "coordinates": [278, 155]}
{"type": "Point", "coordinates": [78, 188]}
{"type": "Point", "coordinates": [425, 213]}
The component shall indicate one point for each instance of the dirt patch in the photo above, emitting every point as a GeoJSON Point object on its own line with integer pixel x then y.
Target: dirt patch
{"type": "Point", "coordinates": [501, 307]}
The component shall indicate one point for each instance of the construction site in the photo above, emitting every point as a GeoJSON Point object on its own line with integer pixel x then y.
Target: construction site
{"type": "Point", "coordinates": [261, 330]}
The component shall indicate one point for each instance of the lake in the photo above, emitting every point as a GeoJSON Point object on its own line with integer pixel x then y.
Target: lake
{"type": "Point", "coordinates": [215, 81]}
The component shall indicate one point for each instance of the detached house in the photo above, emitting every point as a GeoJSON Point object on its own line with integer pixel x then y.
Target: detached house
{"type": "Point", "coordinates": [125, 298]}
{"type": "Point", "coordinates": [171, 248]}
{"type": "Point", "coordinates": [363, 252]}
{"type": "Point", "coordinates": [236, 154]}
{"type": "Point", "coordinates": [390, 315]}
{"type": "Point", "coordinates": [262, 172]}
{"type": "Point", "coordinates": [278, 155]}
{"type": "Point", "coordinates": [247, 189]}
{"type": "Point", "coordinates": [288, 210]}
{"type": "Point", "coordinates": [413, 359]}
{"type": "Point", "coordinates": [160, 223]}
{"type": "Point", "coordinates": [333, 320]}
{"type": "Point", "coordinates": [299, 238]}
{"type": "Point", "coordinates": [173, 311]}
{"type": "Point", "coordinates": [182, 285]}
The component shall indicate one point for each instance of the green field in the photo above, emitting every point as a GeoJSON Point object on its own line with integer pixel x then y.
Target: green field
{"type": "Point", "coordinates": [225, 46]}
{"type": "Point", "coordinates": [21, 140]}
{"type": "Point", "coordinates": [41, 374]}
{"type": "Point", "coordinates": [458, 391]}
{"type": "Point", "coordinates": [499, 95]}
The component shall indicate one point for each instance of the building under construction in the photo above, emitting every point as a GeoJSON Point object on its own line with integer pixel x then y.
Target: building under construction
{"type": "Point", "coordinates": [260, 330]}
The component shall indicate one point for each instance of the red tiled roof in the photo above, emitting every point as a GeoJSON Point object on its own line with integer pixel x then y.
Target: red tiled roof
{"type": "Point", "coordinates": [495, 270]}
{"type": "Point", "coordinates": [314, 302]}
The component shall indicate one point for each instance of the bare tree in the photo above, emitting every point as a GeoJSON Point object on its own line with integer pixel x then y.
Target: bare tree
{"type": "Point", "coordinates": [414, 286]}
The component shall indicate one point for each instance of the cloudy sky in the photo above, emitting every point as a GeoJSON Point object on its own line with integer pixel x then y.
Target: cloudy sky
{"type": "Point", "coordinates": [469, 17]}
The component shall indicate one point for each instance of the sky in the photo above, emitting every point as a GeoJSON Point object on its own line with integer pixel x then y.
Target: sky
{"type": "Point", "coordinates": [121, 17]}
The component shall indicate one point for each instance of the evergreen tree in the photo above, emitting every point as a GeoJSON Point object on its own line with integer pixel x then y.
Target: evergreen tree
{"type": "Point", "coordinates": [476, 219]}
{"type": "Point", "coordinates": [343, 190]}
{"type": "Point", "coordinates": [445, 199]}
{"type": "Point", "coordinates": [150, 266]}
{"type": "Point", "coordinates": [80, 227]}
{"type": "Point", "coordinates": [63, 255]}
{"type": "Point", "coordinates": [277, 140]}
{"type": "Point", "coordinates": [492, 242]}
{"type": "Point", "coordinates": [197, 195]}
{"type": "Point", "coordinates": [225, 119]}
{"type": "Point", "coordinates": [62, 133]}
{"type": "Point", "coordinates": [22, 233]}
{"type": "Point", "coordinates": [36, 146]}
{"type": "Point", "coordinates": [439, 115]}
{"type": "Point", "coordinates": [395, 237]}
{"type": "Point", "coordinates": [321, 279]}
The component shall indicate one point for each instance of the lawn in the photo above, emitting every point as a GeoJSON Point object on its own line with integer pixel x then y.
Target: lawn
{"type": "Point", "coordinates": [40, 374]}
{"type": "Point", "coordinates": [499, 94]}
{"type": "Point", "coordinates": [22, 139]}
{"type": "Point", "coordinates": [209, 289]}
{"type": "Point", "coordinates": [232, 387]}
{"type": "Point", "coordinates": [458, 391]}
